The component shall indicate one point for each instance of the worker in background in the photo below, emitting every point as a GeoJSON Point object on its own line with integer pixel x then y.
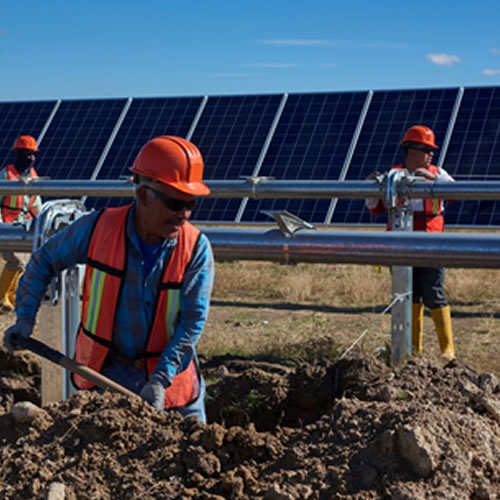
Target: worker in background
{"type": "Point", "coordinates": [148, 281]}
{"type": "Point", "coordinates": [418, 145]}
{"type": "Point", "coordinates": [16, 209]}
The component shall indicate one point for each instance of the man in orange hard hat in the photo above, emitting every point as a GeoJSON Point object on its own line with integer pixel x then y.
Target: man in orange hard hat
{"type": "Point", "coordinates": [16, 209]}
{"type": "Point", "coordinates": [148, 281]}
{"type": "Point", "coordinates": [419, 145]}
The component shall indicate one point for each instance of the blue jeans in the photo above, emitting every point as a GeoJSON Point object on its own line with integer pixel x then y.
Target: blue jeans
{"type": "Point", "coordinates": [133, 379]}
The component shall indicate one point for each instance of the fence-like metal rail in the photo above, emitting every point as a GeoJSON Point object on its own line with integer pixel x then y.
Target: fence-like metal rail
{"type": "Point", "coordinates": [263, 187]}
{"type": "Point", "coordinates": [400, 249]}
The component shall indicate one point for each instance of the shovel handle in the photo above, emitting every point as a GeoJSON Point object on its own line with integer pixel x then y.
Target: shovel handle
{"type": "Point", "coordinates": [60, 359]}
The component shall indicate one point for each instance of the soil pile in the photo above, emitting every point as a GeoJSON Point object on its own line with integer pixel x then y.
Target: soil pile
{"type": "Point", "coordinates": [351, 429]}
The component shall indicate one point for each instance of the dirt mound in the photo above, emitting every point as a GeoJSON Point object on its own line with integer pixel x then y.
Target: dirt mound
{"type": "Point", "coordinates": [352, 429]}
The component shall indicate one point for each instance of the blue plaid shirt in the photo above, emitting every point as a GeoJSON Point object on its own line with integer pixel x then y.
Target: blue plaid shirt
{"type": "Point", "coordinates": [136, 306]}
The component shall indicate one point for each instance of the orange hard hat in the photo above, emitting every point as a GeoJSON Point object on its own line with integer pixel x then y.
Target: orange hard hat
{"type": "Point", "coordinates": [420, 134]}
{"type": "Point", "coordinates": [173, 161]}
{"type": "Point", "coordinates": [25, 142]}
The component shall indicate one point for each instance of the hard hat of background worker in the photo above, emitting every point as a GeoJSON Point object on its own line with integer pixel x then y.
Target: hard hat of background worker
{"type": "Point", "coordinates": [421, 135]}
{"type": "Point", "coordinates": [173, 161]}
{"type": "Point", "coordinates": [25, 142]}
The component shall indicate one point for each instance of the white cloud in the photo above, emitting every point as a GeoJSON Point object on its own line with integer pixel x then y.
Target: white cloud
{"type": "Point", "coordinates": [491, 72]}
{"type": "Point", "coordinates": [443, 59]}
{"type": "Point", "coordinates": [269, 65]}
{"type": "Point", "coordinates": [495, 51]}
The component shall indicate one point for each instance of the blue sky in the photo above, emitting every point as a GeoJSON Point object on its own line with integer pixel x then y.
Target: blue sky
{"type": "Point", "coordinates": [137, 48]}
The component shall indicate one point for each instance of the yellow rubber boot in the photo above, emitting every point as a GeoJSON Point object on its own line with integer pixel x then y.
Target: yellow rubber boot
{"type": "Point", "coordinates": [417, 328]}
{"type": "Point", "coordinates": [11, 292]}
{"type": "Point", "coordinates": [6, 279]}
{"type": "Point", "coordinates": [442, 322]}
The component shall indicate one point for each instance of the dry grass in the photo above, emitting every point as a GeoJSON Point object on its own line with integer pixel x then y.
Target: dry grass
{"type": "Point", "coordinates": [310, 311]}
{"type": "Point", "coordinates": [313, 311]}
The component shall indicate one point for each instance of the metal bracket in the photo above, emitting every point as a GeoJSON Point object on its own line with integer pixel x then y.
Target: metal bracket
{"type": "Point", "coordinates": [257, 179]}
{"type": "Point", "coordinates": [54, 216]}
{"type": "Point", "coordinates": [288, 222]}
{"type": "Point", "coordinates": [28, 179]}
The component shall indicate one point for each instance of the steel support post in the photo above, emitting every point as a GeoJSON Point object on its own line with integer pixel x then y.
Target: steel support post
{"type": "Point", "coordinates": [60, 310]}
{"type": "Point", "coordinates": [401, 219]}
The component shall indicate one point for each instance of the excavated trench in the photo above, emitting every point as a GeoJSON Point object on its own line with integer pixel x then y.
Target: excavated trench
{"type": "Point", "coordinates": [351, 429]}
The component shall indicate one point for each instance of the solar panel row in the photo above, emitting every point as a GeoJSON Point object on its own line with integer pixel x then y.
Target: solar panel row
{"type": "Point", "coordinates": [311, 136]}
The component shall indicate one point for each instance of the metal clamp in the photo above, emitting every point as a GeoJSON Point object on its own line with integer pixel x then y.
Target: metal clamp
{"type": "Point", "coordinates": [288, 223]}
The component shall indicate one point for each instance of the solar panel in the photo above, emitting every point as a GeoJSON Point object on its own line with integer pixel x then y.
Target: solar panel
{"type": "Point", "coordinates": [21, 118]}
{"type": "Point", "coordinates": [311, 136]}
{"type": "Point", "coordinates": [390, 114]}
{"type": "Point", "coordinates": [146, 118]}
{"type": "Point", "coordinates": [76, 137]}
{"type": "Point", "coordinates": [311, 142]}
{"type": "Point", "coordinates": [231, 134]}
{"type": "Point", "coordinates": [474, 154]}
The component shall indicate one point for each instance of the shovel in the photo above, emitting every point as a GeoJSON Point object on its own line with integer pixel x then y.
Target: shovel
{"type": "Point", "coordinates": [60, 359]}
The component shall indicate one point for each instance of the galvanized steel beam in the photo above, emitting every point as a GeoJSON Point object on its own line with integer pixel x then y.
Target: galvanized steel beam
{"type": "Point", "coordinates": [265, 188]}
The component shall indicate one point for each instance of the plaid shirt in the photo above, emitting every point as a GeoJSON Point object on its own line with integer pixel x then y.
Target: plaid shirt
{"type": "Point", "coordinates": [136, 305]}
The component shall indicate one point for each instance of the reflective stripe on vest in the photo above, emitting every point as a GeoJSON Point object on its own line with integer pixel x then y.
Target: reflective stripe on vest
{"type": "Point", "coordinates": [95, 296]}
{"type": "Point", "coordinates": [103, 280]}
{"type": "Point", "coordinates": [14, 205]}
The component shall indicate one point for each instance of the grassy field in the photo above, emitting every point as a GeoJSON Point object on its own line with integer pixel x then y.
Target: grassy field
{"type": "Point", "coordinates": [308, 312]}
{"type": "Point", "coordinates": [312, 311]}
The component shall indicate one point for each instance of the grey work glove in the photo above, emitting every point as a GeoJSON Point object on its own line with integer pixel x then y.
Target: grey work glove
{"type": "Point", "coordinates": [154, 391]}
{"type": "Point", "coordinates": [23, 327]}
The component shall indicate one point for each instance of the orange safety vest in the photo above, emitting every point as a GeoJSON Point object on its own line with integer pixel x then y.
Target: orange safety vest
{"type": "Point", "coordinates": [105, 270]}
{"type": "Point", "coordinates": [13, 204]}
{"type": "Point", "coordinates": [430, 219]}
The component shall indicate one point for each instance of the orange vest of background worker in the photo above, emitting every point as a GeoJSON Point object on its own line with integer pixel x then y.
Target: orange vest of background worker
{"type": "Point", "coordinates": [16, 209]}
{"type": "Point", "coordinates": [419, 145]}
{"type": "Point", "coordinates": [427, 213]}
{"type": "Point", "coordinates": [103, 279]}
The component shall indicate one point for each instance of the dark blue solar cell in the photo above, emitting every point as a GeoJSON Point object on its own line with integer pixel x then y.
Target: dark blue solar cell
{"type": "Point", "coordinates": [311, 142]}
{"type": "Point", "coordinates": [77, 137]}
{"type": "Point", "coordinates": [231, 135]}
{"type": "Point", "coordinates": [21, 118]}
{"type": "Point", "coordinates": [216, 210]}
{"type": "Point", "coordinates": [390, 114]}
{"type": "Point", "coordinates": [474, 154]}
{"type": "Point", "coordinates": [145, 119]}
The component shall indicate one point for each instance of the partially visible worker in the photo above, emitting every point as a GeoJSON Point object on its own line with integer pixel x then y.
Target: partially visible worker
{"type": "Point", "coordinates": [147, 286]}
{"type": "Point", "coordinates": [16, 209]}
{"type": "Point", "coordinates": [419, 145]}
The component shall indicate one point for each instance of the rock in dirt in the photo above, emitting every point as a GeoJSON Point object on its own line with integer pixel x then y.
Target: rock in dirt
{"type": "Point", "coordinates": [25, 412]}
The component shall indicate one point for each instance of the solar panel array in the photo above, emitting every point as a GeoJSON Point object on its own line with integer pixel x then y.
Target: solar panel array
{"type": "Point", "coordinates": [309, 136]}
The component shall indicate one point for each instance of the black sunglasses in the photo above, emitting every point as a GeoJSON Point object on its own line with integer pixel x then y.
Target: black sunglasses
{"type": "Point", "coordinates": [173, 204]}
{"type": "Point", "coordinates": [423, 149]}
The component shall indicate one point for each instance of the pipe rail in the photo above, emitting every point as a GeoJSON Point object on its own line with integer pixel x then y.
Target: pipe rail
{"type": "Point", "coordinates": [330, 246]}
{"type": "Point", "coordinates": [262, 187]}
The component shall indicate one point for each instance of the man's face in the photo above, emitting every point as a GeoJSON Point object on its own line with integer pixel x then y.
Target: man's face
{"type": "Point", "coordinates": [421, 155]}
{"type": "Point", "coordinates": [25, 158]}
{"type": "Point", "coordinates": [165, 210]}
